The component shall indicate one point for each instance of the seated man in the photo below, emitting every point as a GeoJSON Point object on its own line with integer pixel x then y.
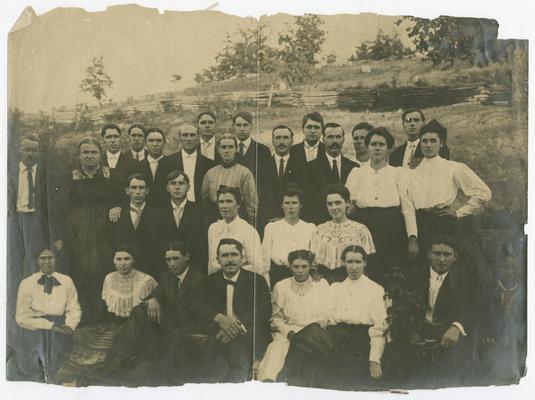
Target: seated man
{"type": "Point", "coordinates": [48, 312]}
{"type": "Point", "coordinates": [235, 307]}
{"type": "Point", "coordinates": [232, 226]}
{"type": "Point", "coordinates": [164, 320]}
{"type": "Point", "coordinates": [444, 327]}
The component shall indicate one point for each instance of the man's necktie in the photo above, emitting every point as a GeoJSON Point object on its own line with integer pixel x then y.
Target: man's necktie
{"type": "Point", "coordinates": [31, 189]}
{"type": "Point", "coordinates": [335, 172]}
{"type": "Point", "coordinates": [281, 168]}
{"type": "Point", "coordinates": [178, 215]}
{"type": "Point", "coordinates": [136, 220]}
{"type": "Point", "coordinates": [48, 283]}
{"type": "Point", "coordinates": [242, 149]}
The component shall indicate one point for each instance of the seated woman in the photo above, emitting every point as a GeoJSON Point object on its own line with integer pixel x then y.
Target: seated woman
{"type": "Point", "coordinates": [48, 313]}
{"type": "Point", "coordinates": [297, 302]}
{"type": "Point", "coordinates": [122, 290]}
{"type": "Point", "coordinates": [355, 331]}
{"type": "Point", "coordinates": [331, 238]}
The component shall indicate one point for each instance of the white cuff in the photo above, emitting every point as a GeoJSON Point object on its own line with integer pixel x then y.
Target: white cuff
{"type": "Point", "coordinates": [460, 327]}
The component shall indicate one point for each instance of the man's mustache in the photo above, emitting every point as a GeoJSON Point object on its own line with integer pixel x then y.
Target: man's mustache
{"type": "Point", "coordinates": [334, 146]}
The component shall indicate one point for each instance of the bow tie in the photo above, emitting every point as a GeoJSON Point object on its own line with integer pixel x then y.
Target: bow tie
{"type": "Point", "coordinates": [48, 283]}
{"type": "Point", "coordinates": [229, 282]}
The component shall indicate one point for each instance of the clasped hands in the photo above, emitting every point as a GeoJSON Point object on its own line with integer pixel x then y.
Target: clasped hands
{"type": "Point", "coordinates": [66, 330]}
{"type": "Point", "coordinates": [229, 328]}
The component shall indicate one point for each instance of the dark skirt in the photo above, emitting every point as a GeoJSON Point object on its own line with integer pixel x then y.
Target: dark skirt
{"type": "Point", "coordinates": [387, 227]}
{"type": "Point", "coordinates": [430, 224]}
{"type": "Point", "coordinates": [278, 273]}
{"type": "Point", "coordinates": [321, 357]}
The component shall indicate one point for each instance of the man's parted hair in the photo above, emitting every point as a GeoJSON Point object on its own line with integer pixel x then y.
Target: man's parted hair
{"type": "Point", "coordinates": [171, 176]}
{"type": "Point", "coordinates": [110, 126]}
{"type": "Point", "coordinates": [177, 245]}
{"type": "Point", "coordinates": [139, 126]}
{"type": "Point", "coordinates": [313, 116]}
{"type": "Point", "coordinates": [230, 241]}
{"type": "Point", "coordinates": [333, 125]}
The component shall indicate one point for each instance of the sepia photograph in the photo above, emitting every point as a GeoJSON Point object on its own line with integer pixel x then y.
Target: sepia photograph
{"type": "Point", "coordinates": [333, 200]}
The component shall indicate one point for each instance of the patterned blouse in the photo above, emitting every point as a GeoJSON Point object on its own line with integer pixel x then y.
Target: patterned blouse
{"type": "Point", "coordinates": [330, 239]}
{"type": "Point", "coordinates": [122, 293]}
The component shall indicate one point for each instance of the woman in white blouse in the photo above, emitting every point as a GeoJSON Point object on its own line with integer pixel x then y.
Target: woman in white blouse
{"type": "Point", "coordinates": [353, 338]}
{"type": "Point", "coordinates": [380, 200]}
{"type": "Point", "coordinates": [297, 302]}
{"type": "Point", "coordinates": [285, 235]}
{"type": "Point", "coordinates": [434, 187]}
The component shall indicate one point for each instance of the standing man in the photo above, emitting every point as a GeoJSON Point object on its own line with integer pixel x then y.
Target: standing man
{"type": "Point", "coordinates": [359, 133]}
{"type": "Point", "coordinates": [235, 306]}
{"type": "Point", "coordinates": [331, 167]}
{"type": "Point", "coordinates": [150, 164]}
{"type": "Point", "coordinates": [189, 160]}
{"type": "Point", "coordinates": [311, 147]}
{"type": "Point", "coordinates": [409, 154]}
{"type": "Point", "coordinates": [138, 227]}
{"type": "Point", "coordinates": [206, 124]}
{"type": "Point", "coordinates": [232, 226]}
{"type": "Point", "coordinates": [283, 168]}
{"type": "Point", "coordinates": [229, 174]}
{"type": "Point", "coordinates": [255, 156]}
{"type": "Point", "coordinates": [121, 163]}
{"type": "Point", "coordinates": [182, 220]}
{"type": "Point", "coordinates": [137, 135]}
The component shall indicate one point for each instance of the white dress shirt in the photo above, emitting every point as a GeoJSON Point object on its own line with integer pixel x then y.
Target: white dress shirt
{"type": "Point", "coordinates": [230, 294]}
{"type": "Point", "coordinates": [284, 160]}
{"type": "Point", "coordinates": [135, 214]}
{"type": "Point", "coordinates": [280, 238]}
{"type": "Point", "coordinates": [138, 155]}
{"type": "Point", "coordinates": [338, 164]}
{"type": "Point", "coordinates": [153, 164]}
{"type": "Point", "coordinates": [178, 211]}
{"type": "Point", "coordinates": [112, 159]}
{"type": "Point", "coordinates": [436, 183]}
{"type": "Point", "coordinates": [435, 283]}
{"type": "Point", "coordinates": [311, 152]}
{"type": "Point", "coordinates": [385, 187]}
{"type": "Point", "coordinates": [23, 195]}
{"type": "Point", "coordinates": [362, 163]}
{"type": "Point", "coordinates": [189, 161]}
{"type": "Point", "coordinates": [361, 302]}
{"type": "Point", "coordinates": [181, 277]}
{"type": "Point", "coordinates": [246, 143]}
{"type": "Point", "coordinates": [243, 232]}
{"type": "Point", "coordinates": [33, 304]}
{"type": "Point", "coordinates": [208, 148]}
{"type": "Point", "coordinates": [409, 152]}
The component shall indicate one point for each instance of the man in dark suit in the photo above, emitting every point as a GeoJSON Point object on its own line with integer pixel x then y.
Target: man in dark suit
{"type": "Point", "coordinates": [138, 226]}
{"type": "Point", "coordinates": [311, 147]}
{"type": "Point", "coordinates": [162, 327]}
{"type": "Point", "coordinates": [235, 306]}
{"type": "Point", "coordinates": [409, 154]}
{"type": "Point", "coordinates": [121, 163]}
{"type": "Point", "coordinates": [183, 220]}
{"type": "Point", "coordinates": [446, 292]}
{"type": "Point", "coordinates": [207, 126]}
{"type": "Point", "coordinates": [255, 156]}
{"type": "Point", "coordinates": [283, 169]}
{"type": "Point", "coordinates": [137, 135]}
{"type": "Point", "coordinates": [150, 164]}
{"type": "Point", "coordinates": [332, 167]}
{"type": "Point", "coordinates": [189, 160]}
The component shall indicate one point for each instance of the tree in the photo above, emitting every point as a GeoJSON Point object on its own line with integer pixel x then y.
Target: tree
{"type": "Point", "coordinates": [97, 82]}
{"type": "Point", "coordinates": [248, 54]}
{"type": "Point", "coordinates": [383, 47]}
{"type": "Point", "coordinates": [444, 40]}
{"type": "Point", "coordinates": [299, 49]}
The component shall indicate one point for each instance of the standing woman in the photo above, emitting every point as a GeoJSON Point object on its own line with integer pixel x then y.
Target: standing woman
{"type": "Point", "coordinates": [380, 200]}
{"type": "Point", "coordinates": [89, 202]}
{"type": "Point", "coordinates": [332, 237]}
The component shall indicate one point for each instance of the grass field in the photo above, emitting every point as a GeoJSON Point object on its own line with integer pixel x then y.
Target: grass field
{"type": "Point", "coordinates": [492, 140]}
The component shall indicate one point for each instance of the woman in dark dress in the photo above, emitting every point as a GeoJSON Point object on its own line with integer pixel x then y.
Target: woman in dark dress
{"type": "Point", "coordinates": [380, 200]}
{"type": "Point", "coordinates": [89, 202]}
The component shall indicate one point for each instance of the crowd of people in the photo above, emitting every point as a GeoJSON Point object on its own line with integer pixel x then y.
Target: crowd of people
{"type": "Point", "coordinates": [227, 262]}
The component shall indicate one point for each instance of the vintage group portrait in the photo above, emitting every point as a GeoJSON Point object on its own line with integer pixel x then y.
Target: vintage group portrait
{"type": "Point", "coordinates": [329, 201]}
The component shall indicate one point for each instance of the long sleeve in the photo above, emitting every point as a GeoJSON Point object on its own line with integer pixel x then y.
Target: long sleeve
{"type": "Point", "coordinates": [267, 245]}
{"type": "Point", "coordinates": [473, 187]}
{"type": "Point", "coordinates": [377, 330]}
{"type": "Point", "coordinates": [278, 320]}
{"type": "Point", "coordinates": [213, 264]}
{"type": "Point", "coordinates": [407, 206]}
{"type": "Point", "coordinates": [205, 189]}
{"type": "Point", "coordinates": [250, 196]}
{"type": "Point", "coordinates": [73, 313]}
{"type": "Point", "coordinates": [24, 315]}
{"type": "Point", "coordinates": [254, 252]}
